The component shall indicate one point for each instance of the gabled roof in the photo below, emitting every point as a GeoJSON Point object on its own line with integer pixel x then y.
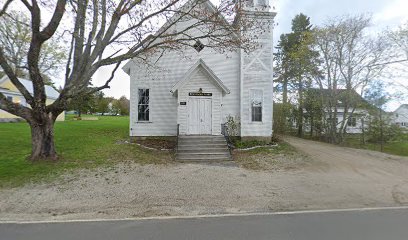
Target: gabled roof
{"type": "Point", "coordinates": [342, 96]}
{"type": "Point", "coordinates": [208, 4]}
{"type": "Point", "coordinates": [200, 64]}
{"type": "Point", "coordinates": [401, 107]}
{"type": "Point", "coordinates": [49, 91]}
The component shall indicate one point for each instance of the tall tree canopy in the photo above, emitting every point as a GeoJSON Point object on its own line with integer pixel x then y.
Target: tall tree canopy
{"type": "Point", "coordinates": [296, 64]}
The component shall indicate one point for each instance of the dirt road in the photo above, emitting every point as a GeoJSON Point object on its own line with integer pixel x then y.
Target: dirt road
{"type": "Point", "coordinates": [332, 177]}
{"type": "Point", "coordinates": [375, 175]}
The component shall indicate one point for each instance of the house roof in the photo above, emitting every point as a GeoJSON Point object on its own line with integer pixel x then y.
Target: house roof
{"type": "Point", "coordinates": [49, 90]}
{"type": "Point", "coordinates": [401, 106]}
{"type": "Point", "coordinates": [342, 96]}
{"type": "Point", "coordinates": [200, 64]}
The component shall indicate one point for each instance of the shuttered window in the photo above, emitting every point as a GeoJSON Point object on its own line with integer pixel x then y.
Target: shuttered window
{"type": "Point", "coordinates": [143, 105]}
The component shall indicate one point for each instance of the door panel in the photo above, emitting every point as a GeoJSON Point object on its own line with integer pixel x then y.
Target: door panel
{"type": "Point", "coordinates": [199, 116]}
{"type": "Point", "coordinates": [205, 127]}
{"type": "Point", "coordinates": [193, 116]}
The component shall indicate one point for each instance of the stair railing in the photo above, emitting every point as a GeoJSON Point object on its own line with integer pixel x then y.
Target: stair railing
{"type": "Point", "coordinates": [177, 140]}
{"type": "Point", "coordinates": [224, 131]}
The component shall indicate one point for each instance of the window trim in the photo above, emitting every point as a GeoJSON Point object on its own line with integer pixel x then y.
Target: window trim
{"type": "Point", "coordinates": [352, 122]}
{"type": "Point", "coordinates": [250, 106]}
{"type": "Point", "coordinates": [198, 46]}
{"type": "Point", "coordinates": [9, 98]}
{"type": "Point", "coordinates": [148, 104]}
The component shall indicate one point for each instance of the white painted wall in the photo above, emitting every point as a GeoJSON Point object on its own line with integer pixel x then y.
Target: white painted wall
{"type": "Point", "coordinates": [200, 80]}
{"type": "Point", "coordinates": [400, 116]}
{"type": "Point", "coordinates": [171, 68]}
{"type": "Point", "coordinates": [257, 74]}
{"type": "Point", "coordinates": [238, 76]}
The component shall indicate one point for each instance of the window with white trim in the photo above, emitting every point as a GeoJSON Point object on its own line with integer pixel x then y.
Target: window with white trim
{"type": "Point", "coordinates": [256, 105]}
{"type": "Point", "coordinates": [352, 122]}
{"type": "Point", "coordinates": [10, 98]}
{"type": "Point", "coordinates": [143, 111]}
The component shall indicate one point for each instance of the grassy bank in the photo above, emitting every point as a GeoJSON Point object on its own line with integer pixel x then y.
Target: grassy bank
{"type": "Point", "coordinates": [393, 147]}
{"type": "Point", "coordinates": [80, 144]}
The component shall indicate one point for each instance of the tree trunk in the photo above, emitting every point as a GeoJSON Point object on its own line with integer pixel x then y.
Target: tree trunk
{"type": "Point", "coordinates": [311, 127]}
{"type": "Point", "coordinates": [381, 132]}
{"type": "Point", "coordinates": [300, 122]}
{"type": "Point", "coordinates": [363, 132]}
{"type": "Point", "coordinates": [42, 140]}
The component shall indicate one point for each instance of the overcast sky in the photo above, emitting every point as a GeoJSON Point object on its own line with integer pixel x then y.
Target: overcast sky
{"type": "Point", "coordinates": [385, 13]}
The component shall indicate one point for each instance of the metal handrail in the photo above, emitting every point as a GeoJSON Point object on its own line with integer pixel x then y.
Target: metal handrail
{"type": "Point", "coordinates": [177, 140]}
{"type": "Point", "coordinates": [224, 131]}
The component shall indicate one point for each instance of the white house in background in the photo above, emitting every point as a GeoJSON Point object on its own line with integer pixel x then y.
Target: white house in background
{"type": "Point", "coordinates": [12, 93]}
{"type": "Point", "coordinates": [198, 92]}
{"type": "Point", "coordinates": [354, 121]}
{"type": "Point", "coordinates": [400, 116]}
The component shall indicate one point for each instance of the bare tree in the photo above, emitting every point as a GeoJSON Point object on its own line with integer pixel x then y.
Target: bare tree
{"type": "Point", "coordinates": [106, 32]}
{"type": "Point", "coordinates": [399, 41]}
{"type": "Point", "coordinates": [15, 38]}
{"type": "Point", "coordinates": [351, 60]}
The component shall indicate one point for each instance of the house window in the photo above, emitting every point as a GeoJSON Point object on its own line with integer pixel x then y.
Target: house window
{"type": "Point", "coordinates": [330, 120]}
{"type": "Point", "coordinates": [143, 105]}
{"type": "Point", "coordinates": [10, 98]}
{"type": "Point", "coordinates": [404, 124]}
{"type": "Point", "coordinates": [352, 122]}
{"type": "Point", "coordinates": [250, 3]}
{"type": "Point", "coordinates": [198, 46]}
{"type": "Point", "coordinates": [261, 3]}
{"type": "Point", "coordinates": [256, 105]}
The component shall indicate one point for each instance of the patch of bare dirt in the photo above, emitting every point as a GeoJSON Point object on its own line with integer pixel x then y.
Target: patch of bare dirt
{"type": "Point", "coordinates": [335, 178]}
{"type": "Point", "coordinates": [158, 144]}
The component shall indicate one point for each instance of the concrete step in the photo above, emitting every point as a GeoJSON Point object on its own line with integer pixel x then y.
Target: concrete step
{"type": "Point", "coordinates": [205, 150]}
{"type": "Point", "coordinates": [201, 141]}
{"type": "Point", "coordinates": [201, 136]}
{"type": "Point", "coordinates": [202, 149]}
{"type": "Point", "coordinates": [208, 154]}
{"type": "Point", "coordinates": [202, 145]}
{"type": "Point", "coordinates": [203, 158]}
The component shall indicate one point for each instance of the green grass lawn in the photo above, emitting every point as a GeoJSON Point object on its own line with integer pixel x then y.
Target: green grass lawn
{"type": "Point", "coordinates": [394, 147]}
{"type": "Point", "coordinates": [80, 144]}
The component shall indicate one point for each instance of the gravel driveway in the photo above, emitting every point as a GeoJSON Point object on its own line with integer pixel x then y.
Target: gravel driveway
{"type": "Point", "coordinates": [338, 178]}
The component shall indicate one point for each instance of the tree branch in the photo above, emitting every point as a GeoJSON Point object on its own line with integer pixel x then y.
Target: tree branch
{"type": "Point", "coordinates": [106, 85]}
{"type": "Point", "coordinates": [52, 26]}
{"type": "Point", "coordinates": [5, 6]}
{"type": "Point", "coordinates": [13, 78]}
{"type": "Point", "coordinates": [14, 108]}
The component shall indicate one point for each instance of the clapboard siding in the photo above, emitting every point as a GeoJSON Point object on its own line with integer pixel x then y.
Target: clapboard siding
{"type": "Point", "coordinates": [200, 80]}
{"type": "Point", "coordinates": [238, 71]}
{"type": "Point", "coordinates": [170, 69]}
{"type": "Point", "coordinates": [256, 74]}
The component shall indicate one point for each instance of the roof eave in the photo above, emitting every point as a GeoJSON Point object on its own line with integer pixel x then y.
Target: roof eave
{"type": "Point", "coordinates": [200, 63]}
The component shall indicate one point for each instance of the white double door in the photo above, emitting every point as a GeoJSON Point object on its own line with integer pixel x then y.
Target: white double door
{"type": "Point", "coordinates": [199, 116]}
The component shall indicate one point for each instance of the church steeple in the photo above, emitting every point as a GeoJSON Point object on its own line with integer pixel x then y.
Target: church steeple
{"type": "Point", "coordinates": [256, 71]}
{"type": "Point", "coordinates": [255, 5]}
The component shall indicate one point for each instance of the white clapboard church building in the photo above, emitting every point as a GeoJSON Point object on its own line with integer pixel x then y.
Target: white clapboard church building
{"type": "Point", "coordinates": [195, 95]}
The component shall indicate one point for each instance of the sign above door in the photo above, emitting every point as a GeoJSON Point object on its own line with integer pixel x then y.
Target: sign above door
{"type": "Point", "coordinates": [199, 94]}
